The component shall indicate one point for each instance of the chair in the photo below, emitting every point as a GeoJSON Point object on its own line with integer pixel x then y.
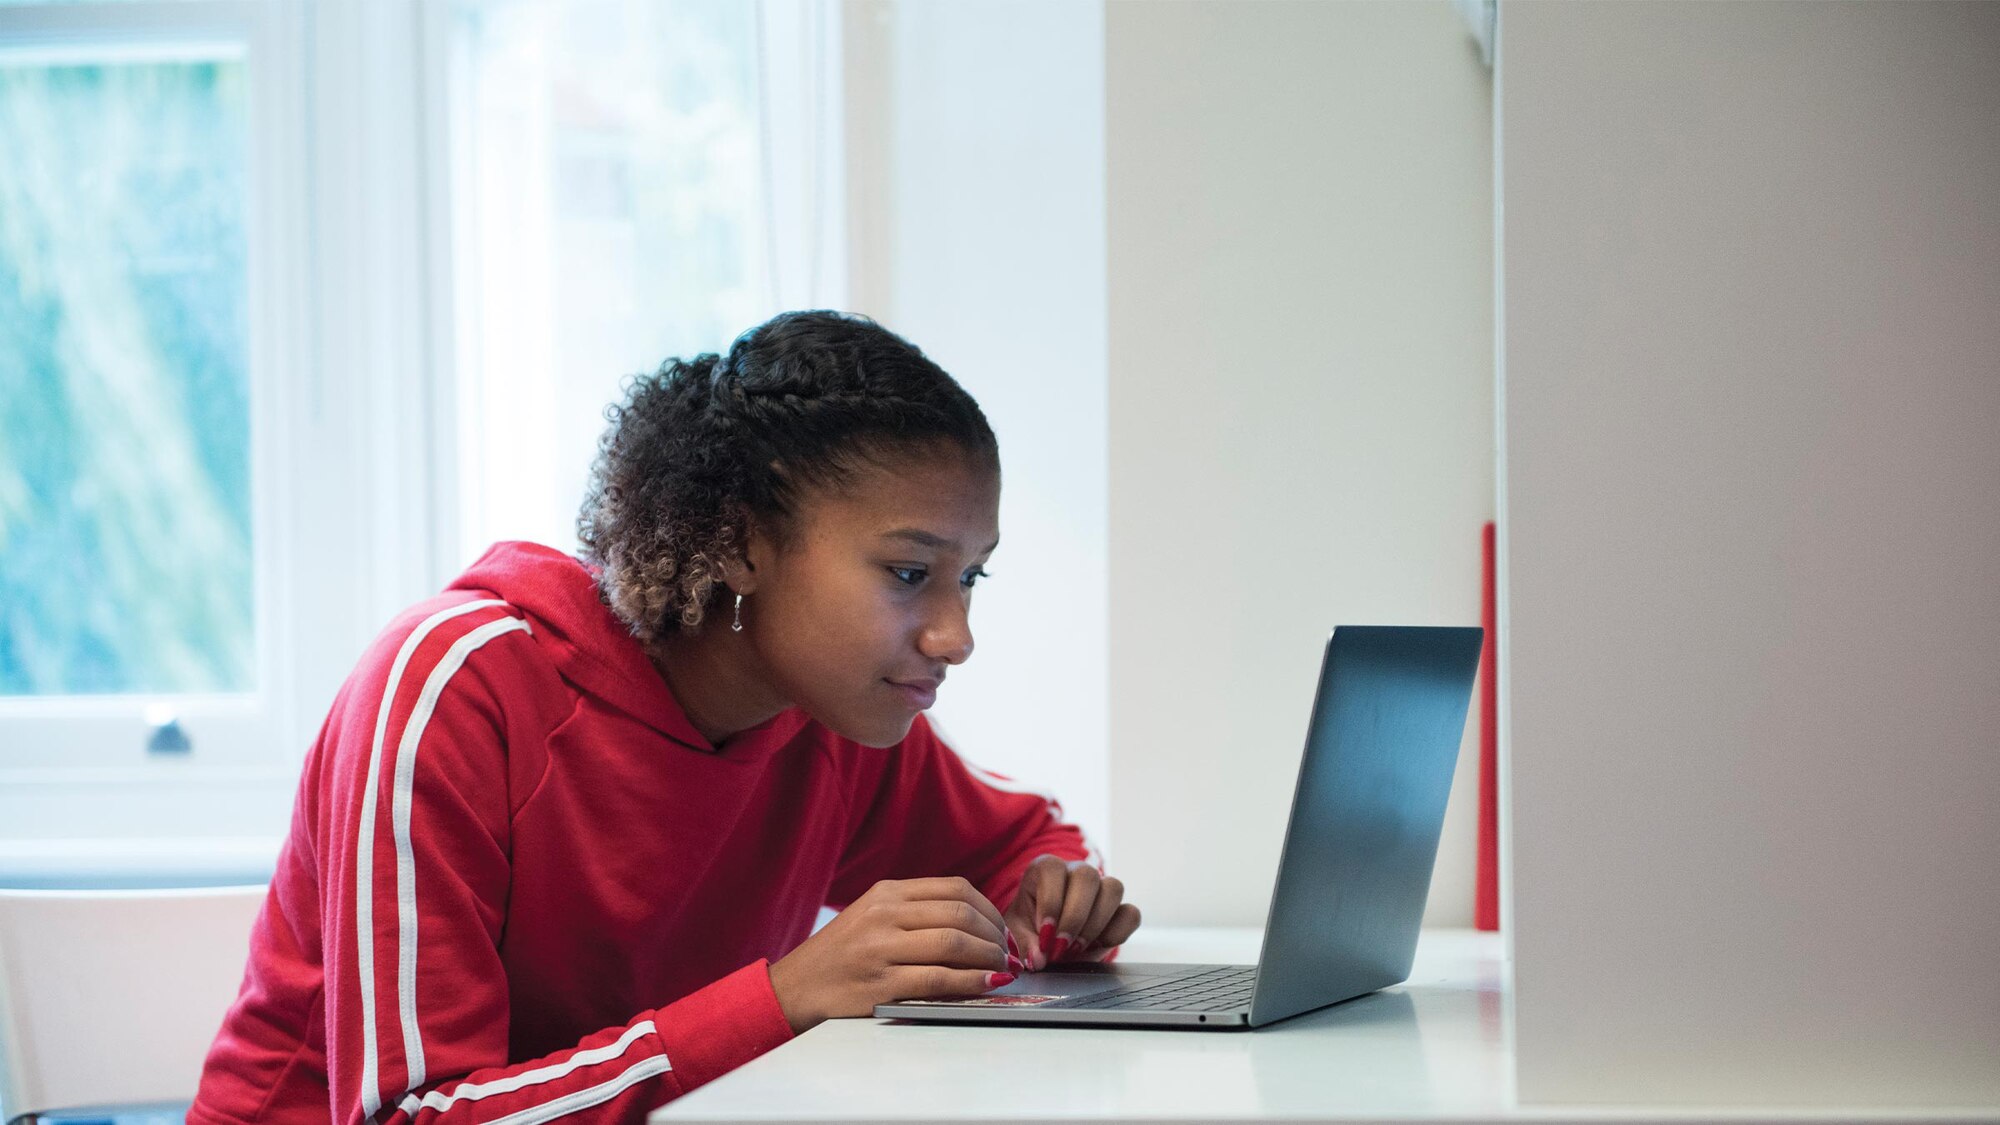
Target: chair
{"type": "Point", "coordinates": [111, 998]}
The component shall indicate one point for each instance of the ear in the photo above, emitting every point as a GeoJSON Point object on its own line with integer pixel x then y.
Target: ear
{"type": "Point", "coordinates": [741, 570]}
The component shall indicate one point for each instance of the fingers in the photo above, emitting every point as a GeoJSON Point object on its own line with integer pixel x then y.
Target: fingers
{"type": "Point", "coordinates": [1084, 882]}
{"type": "Point", "coordinates": [929, 982]}
{"type": "Point", "coordinates": [949, 948]}
{"type": "Point", "coordinates": [950, 888]}
{"type": "Point", "coordinates": [965, 911]}
{"type": "Point", "coordinates": [903, 939]}
{"type": "Point", "coordinates": [1064, 909]}
{"type": "Point", "coordinates": [1110, 896]}
{"type": "Point", "coordinates": [1033, 916]}
{"type": "Point", "coordinates": [933, 914]}
{"type": "Point", "coordinates": [1124, 922]}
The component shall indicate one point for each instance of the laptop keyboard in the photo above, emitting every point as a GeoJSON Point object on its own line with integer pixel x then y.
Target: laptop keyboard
{"type": "Point", "coordinates": [1221, 989]}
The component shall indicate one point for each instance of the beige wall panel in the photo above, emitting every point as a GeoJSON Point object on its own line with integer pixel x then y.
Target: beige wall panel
{"type": "Point", "coordinates": [1752, 412]}
{"type": "Point", "coordinates": [1300, 281]}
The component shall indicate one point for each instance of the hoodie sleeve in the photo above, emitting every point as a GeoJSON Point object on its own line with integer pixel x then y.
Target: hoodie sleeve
{"type": "Point", "coordinates": [933, 813]}
{"type": "Point", "coordinates": [414, 856]}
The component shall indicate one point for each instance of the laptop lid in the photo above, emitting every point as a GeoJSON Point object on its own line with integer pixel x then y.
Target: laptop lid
{"type": "Point", "coordinates": [1367, 811]}
{"type": "Point", "coordinates": [1355, 870]}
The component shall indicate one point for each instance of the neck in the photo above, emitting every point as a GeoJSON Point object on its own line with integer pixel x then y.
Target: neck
{"type": "Point", "coordinates": [717, 680]}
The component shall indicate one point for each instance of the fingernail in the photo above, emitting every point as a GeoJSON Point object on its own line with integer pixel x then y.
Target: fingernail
{"type": "Point", "coordinates": [998, 980]}
{"type": "Point", "coordinates": [1062, 944]}
{"type": "Point", "coordinates": [1012, 949]}
{"type": "Point", "coordinates": [1015, 964]}
{"type": "Point", "coordinates": [1048, 934]}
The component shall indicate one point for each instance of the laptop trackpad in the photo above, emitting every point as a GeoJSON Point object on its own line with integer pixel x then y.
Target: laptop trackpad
{"type": "Point", "coordinates": [1085, 978]}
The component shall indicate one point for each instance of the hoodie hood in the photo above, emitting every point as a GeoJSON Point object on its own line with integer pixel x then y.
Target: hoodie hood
{"type": "Point", "coordinates": [592, 648]}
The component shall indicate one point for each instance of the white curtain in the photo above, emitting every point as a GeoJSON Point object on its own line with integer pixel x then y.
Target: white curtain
{"type": "Point", "coordinates": [800, 112]}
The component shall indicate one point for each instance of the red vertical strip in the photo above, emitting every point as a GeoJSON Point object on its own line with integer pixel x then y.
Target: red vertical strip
{"type": "Point", "coordinates": [1486, 893]}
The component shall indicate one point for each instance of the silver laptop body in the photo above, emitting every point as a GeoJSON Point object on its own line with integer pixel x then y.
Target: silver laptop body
{"type": "Point", "coordinates": [1352, 878]}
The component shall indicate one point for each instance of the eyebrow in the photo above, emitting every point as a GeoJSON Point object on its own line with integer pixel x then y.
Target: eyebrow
{"type": "Point", "coordinates": [926, 539]}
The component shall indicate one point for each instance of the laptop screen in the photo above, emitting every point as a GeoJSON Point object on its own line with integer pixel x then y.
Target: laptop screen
{"type": "Point", "coordinates": [1355, 871]}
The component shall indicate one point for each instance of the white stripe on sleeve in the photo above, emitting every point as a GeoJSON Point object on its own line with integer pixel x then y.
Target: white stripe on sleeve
{"type": "Point", "coordinates": [364, 855]}
{"type": "Point", "coordinates": [584, 1099]}
{"type": "Point", "coordinates": [406, 863]}
{"type": "Point", "coordinates": [472, 1092]}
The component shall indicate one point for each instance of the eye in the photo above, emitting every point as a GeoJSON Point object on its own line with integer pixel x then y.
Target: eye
{"type": "Point", "coordinates": [915, 575]}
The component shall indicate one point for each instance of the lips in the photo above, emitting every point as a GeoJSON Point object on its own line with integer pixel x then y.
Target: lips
{"type": "Point", "coordinates": [919, 694]}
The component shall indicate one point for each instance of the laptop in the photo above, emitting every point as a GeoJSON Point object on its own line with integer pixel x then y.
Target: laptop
{"type": "Point", "coordinates": [1352, 878]}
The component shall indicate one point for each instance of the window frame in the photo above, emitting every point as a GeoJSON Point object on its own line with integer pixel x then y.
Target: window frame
{"type": "Point", "coordinates": [353, 333]}
{"type": "Point", "coordinates": [65, 742]}
{"type": "Point", "coordinates": [343, 496]}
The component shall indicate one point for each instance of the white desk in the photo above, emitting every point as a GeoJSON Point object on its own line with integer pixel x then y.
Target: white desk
{"type": "Point", "coordinates": [1434, 1049]}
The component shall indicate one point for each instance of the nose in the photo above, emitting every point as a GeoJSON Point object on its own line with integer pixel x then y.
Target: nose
{"type": "Point", "coordinates": [947, 635]}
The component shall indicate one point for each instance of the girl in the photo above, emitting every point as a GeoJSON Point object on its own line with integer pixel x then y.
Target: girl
{"type": "Point", "coordinates": [559, 847]}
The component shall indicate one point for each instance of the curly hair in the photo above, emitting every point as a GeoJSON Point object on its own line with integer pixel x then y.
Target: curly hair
{"type": "Point", "coordinates": [703, 446]}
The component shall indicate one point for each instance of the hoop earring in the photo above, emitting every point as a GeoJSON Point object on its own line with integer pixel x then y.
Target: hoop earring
{"type": "Point", "coordinates": [737, 625]}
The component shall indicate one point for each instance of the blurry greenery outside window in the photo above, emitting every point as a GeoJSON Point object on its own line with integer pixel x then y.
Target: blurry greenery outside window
{"type": "Point", "coordinates": [125, 441]}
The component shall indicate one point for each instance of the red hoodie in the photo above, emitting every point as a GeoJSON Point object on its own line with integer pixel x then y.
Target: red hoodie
{"type": "Point", "coordinates": [519, 886]}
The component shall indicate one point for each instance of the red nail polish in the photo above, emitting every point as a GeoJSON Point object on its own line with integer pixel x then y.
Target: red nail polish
{"type": "Point", "coordinates": [1015, 964]}
{"type": "Point", "coordinates": [1048, 934]}
{"type": "Point", "coordinates": [998, 980]}
{"type": "Point", "coordinates": [1062, 944]}
{"type": "Point", "coordinates": [1012, 949]}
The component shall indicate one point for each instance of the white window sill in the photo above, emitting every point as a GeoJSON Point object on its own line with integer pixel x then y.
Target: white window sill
{"type": "Point", "coordinates": [137, 861]}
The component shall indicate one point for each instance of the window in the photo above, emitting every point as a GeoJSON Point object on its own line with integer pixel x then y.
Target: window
{"type": "Point", "coordinates": [303, 305]}
{"type": "Point", "coordinates": [151, 263]}
{"type": "Point", "coordinates": [139, 270]}
{"type": "Point", "coordinates": [125, 476]}
{"type": "Point", "coordinates": [619, 170]}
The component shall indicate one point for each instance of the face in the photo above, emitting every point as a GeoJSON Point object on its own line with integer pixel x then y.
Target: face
{"type": "Point", "coordinates": [861, 617]}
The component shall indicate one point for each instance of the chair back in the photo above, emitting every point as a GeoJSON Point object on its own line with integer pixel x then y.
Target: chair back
{"type": "Point", "coordinates": [111, 998]}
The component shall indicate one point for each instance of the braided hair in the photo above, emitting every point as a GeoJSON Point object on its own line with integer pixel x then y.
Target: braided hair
{"type": "Point", "coordinates": [703, 446]}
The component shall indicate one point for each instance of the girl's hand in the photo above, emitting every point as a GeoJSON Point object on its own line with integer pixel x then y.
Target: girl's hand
{"type": "Point", "coordinates": [906, 939]}
{"type": "Point", "coordinates": [1066, 911]}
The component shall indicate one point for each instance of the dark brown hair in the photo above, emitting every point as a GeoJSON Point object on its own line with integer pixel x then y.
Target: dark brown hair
{"type": "Point", "coordinates": [702, 446]}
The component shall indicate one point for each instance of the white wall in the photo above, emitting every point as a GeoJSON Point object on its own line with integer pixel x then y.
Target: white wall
{"type": "Point", "coordinates": [1300, 281]}
{"type": "Point", "coordinates": [1752, 414]}
{"type": "Point", "coordinates": [977, 231]}
{"type": "Point", "coordinates": [1293, 425]}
